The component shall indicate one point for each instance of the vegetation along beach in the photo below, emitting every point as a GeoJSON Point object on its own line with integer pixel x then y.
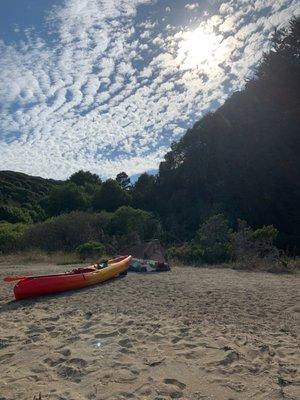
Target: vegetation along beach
{"type": "Point", "coordinates": [149, 200]}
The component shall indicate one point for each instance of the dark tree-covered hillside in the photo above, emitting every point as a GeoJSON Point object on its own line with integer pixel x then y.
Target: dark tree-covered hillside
{"type": "Point", "coordinates": [242, 160]}
{"type": "Point", "coordinates": [20, 196]}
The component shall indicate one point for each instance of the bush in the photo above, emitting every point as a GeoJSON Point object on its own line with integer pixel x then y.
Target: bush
{"type": "Point", "coordinates": [11, 236]}
{"type": "Point", "coordinates": [248, 243]}
{"type": "Point", "coordinates": [66, 232]}
{"type": "Point", "coordinates": [90, 249]}
{"type": "Point", "coordinates": [212, 240]}
{"type": "Point", "coordinates": [210, 244]}
{"type": "Point", "coordinates": [14, 214]}
{"type": "Point", "coordinates": [186, 253]}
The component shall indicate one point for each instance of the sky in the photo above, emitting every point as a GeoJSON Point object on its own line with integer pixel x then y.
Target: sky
{"type": "Point", "coordinates": [108, 85]}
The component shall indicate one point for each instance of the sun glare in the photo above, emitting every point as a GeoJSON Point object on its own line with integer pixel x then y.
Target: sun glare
{"type": "Point", "coordinates": [198, 48]}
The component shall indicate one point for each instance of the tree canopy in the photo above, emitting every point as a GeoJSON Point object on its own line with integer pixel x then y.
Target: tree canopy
{"type": "Point", "coordinates": [123, 180]}
{"type": "Point", "coordinates": [82, 178]}
{"type": "Point", "coordinates": [242, 160]}
{"type": "Point", "coordinates": [110, 196]}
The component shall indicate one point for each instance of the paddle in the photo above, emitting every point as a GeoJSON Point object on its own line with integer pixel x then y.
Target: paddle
{"type": "Point", "coordinates": [12, 278]}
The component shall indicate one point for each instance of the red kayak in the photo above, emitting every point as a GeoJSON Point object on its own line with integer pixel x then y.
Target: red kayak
{"type": "Point", "coordinates": [32, 286]}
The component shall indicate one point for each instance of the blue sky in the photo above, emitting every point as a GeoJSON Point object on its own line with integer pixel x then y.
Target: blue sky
{"type": "Point", "coordinates": [108, 85]}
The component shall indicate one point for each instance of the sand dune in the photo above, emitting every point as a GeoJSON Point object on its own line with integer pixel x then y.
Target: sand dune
{"type": "Point", "coordinates": [187, 334]}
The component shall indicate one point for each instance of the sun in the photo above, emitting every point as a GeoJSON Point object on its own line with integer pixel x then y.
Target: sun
{"type": "Point", "coordinates": [198, 47]}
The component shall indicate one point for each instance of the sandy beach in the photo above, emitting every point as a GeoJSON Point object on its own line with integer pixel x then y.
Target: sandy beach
{"type": "Point", "coordinates": [201, 334]}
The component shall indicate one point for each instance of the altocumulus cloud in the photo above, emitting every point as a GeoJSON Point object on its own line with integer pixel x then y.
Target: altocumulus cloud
{"type": "Point", "coordinates": [121, 79]}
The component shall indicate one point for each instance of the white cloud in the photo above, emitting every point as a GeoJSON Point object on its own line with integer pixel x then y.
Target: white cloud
{"type": "Point", "coordinates": [192, 6]}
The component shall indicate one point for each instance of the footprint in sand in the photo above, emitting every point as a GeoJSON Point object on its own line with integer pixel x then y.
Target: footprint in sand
{"type": "Point", "coordinates": [88, 315]}
{"type": "Point", "coordinates": [125, 376]}
{"type": "Point", "coordinates": [6, 357]}
{"type": "Point", "coordinates": [87, 325]}
{"type": "Point", "coordinates": [171, 388]}
{"type": "Point", "coordinates": [229, 358]}
{"type": "Point", "coordinates": [130, 322]}
{"type": "Point", "coordinates": [54, 334]}
{"type": "Point", "coordinates": [168, 392]}
{"type": "Point", "coordinates": [176, 339]}
{"type": "Point", "coordinates": [49, 328]}
{"type": "Point", "coordinates": [53, 319]}
{"type": "Point", "coordinates": [70, 373]}
{"type": "Point", "coordinates": [236, 386]}
{"type": "Point", "coordinates": [79, 362]}
{"type": "Point", "coordinates": [103, 335]}
{"type": "Point", "coordinates": [54, 360]}
{"type": "Point", "coordinates": [5, 343]}
{"type": "Point", "coordinates": [65, 352]}
{"type": "Point", "coordinates": [73, 338]}
{"type": "Point", "coordinates": [175, 382]}
{"type": "Point", "coordinates": [145, 390]}
{"type": "Point", "coordinates": [125, 343]}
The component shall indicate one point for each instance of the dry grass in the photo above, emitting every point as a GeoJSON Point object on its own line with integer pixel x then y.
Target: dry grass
{"type": "Point", "coordinates": [38, 257]}
{"type": "Point", "coordinates": [280, 266]}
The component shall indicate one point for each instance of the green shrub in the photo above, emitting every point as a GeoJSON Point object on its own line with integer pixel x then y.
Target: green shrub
{"type": "Point", "coordinates": [127, 220]}
{"type": "Point", "coordinates": [14, 214]}
{"type": "Point", "coordinates": [249, 243]}
{"type": "Point", "coordinates": [90, 249]}
{"type": "Point", "coordinates": [64, 232]}
{"type": "Point", "coordinates": [11, 236]}
{"type": "Point", "coordinates": [212, 240]}
{"type": "Point", "coordinates": [267, 234]}
{"type": "Point", "coordinates": [186, 253]}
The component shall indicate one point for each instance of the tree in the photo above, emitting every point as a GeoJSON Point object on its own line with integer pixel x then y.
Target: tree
{"type": "Point", "coordinates": [127, 220]}
{"type": "Point", "coordinates": [64, 199]}
{"type": "Point", "coordinates": [144, 192]}
{"type": "Point", "coordinates": [82, 178]}
{"type": "Point", "coordinates": [110, 196]}
{"type": "Point", "coordinates": [123, 180]}
{"type": "Point", "coordinates": [212, 239]}
{"type": "Point", "coordinates": [243, 159]}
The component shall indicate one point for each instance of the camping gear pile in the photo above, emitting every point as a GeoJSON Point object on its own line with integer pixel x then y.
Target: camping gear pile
{"type": "Point", "coordinates": [148, 257]}
{"type": "Point", "coordinates": [139, 265]}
